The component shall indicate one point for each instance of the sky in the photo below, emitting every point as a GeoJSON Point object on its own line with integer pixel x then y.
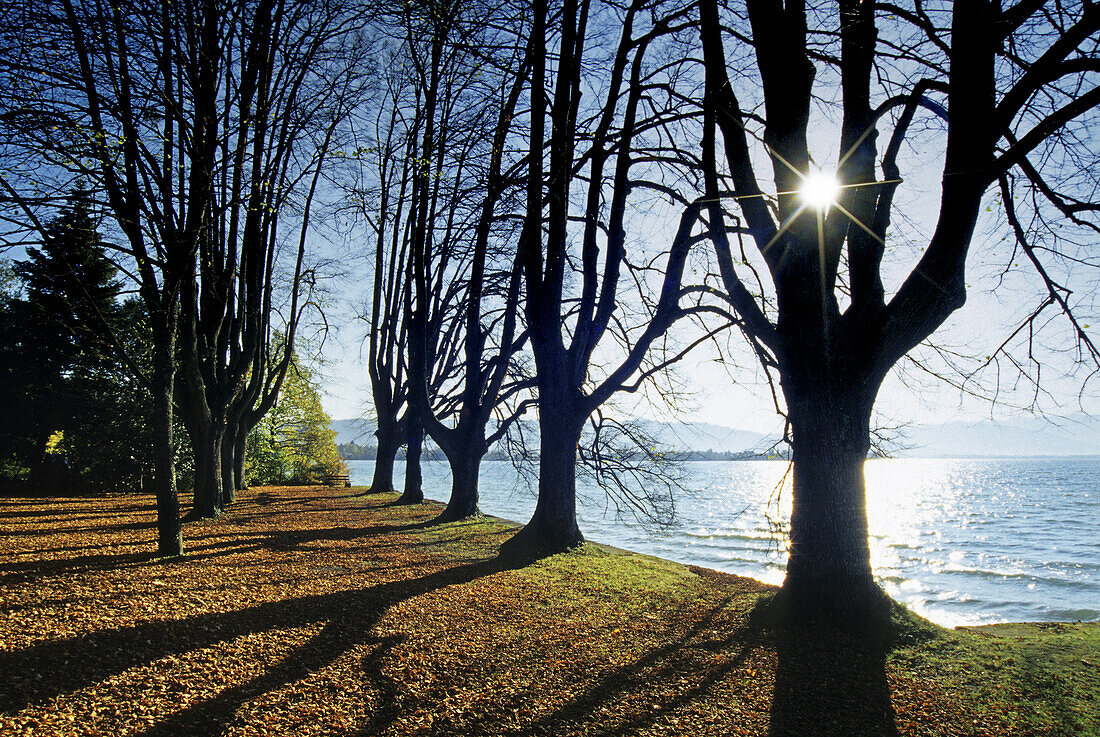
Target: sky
{"type": "Point", "coordinates": [741, 398]}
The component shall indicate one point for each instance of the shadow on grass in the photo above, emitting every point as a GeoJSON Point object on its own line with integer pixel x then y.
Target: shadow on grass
{"type": "Point", "coordinates": [830, 679]}
{"type": "Point", "coordinates": [11, 510]}
{"type": "Point", "coordinates": [199, 549]}
{"type": "Point", "coordinates": [285, 540]}
{"type": "Point", "coordinates": [673, 675]}
{"type": "Point", "coordinates": [825, 687]}
{"type": "Point", "coordinates": [22, 571]}
{"type": "Point", "coordinates": [828, 682]}
{"type": "Point", "coordinates": [50, 669]}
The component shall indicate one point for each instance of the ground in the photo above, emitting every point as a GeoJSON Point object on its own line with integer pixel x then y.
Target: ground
{"type": "Point", "coordinates": [311, 611]}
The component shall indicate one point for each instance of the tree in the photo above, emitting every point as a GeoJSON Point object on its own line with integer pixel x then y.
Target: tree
{"type": "Point", "coordinates": [470, 67]}
{"type": "Point", "coordinates": [120, 99]}
{"type": "Point", "coordinates": [60, 371]}
{"type": "Point", "coordinates": [386, 314]}
{"type": "Point", "coordinates": [1009, 85]}
{"type": "Point", "coordinates": [285, 78]}
{"type": "Point", "coordinates": [197, 126]}
{"type": "Point", "coordinates": [107, 425]}
{"type": "Point", "coordinates": [294, 442]}
{"type": "Point", "coordinates": [607, 138]}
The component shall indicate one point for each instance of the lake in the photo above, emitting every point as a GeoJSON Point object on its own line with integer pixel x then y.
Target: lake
{"type": "Point", "coordinates": [960, 542]}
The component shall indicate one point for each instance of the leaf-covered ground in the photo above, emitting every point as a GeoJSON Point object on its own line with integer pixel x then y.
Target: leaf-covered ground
{"type": "Point", "coordinates": [309, 611]}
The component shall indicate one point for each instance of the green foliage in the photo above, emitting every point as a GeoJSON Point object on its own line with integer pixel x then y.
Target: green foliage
{"type": "Point", "coordinates": [60, 316]}
{"type": "Point", "coordinates": [294, 443]}
{"type": "Point", "coordinates": [9, 282]}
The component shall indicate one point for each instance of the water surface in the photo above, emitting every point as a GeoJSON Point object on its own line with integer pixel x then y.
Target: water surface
{"type": "Point", "coordinates": [958, 541]}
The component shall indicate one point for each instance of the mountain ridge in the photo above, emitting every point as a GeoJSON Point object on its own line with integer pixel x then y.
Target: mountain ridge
{"type": "Point", "coordinates": [1026, 436]}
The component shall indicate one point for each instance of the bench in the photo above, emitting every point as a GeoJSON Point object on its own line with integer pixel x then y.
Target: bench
{"type": "Point", "coordinates": [338, 479]}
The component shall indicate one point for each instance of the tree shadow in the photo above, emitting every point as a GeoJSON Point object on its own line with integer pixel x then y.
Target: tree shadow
{"type": "Point", "coordinates": [830, 679]}
{"type": "Point", "coordinates": [688, 654]}
{"type": "Point", "coordinates": [285, 540]}
{"type": "Point", "coordinates": [21, 572]}
{"type": "Point", "coordinates": [49, 669]}
{"type": "Point", "coordinates": [16, 572]}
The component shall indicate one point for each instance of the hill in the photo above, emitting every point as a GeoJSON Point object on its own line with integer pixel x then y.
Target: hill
{"type": "Point", "coordinates": [1025, 436]}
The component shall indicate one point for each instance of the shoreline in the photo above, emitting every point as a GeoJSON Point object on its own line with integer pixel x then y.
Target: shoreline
{"type": "Point", "coordinates": [312, 610]}
{"type": "Point", "coordinates": [989, 628]}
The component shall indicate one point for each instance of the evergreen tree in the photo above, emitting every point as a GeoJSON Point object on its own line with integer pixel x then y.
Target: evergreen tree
{"type": "Point", "coordinates": [59, 366]}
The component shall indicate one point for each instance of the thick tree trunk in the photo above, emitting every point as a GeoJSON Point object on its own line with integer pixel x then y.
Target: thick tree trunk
{"type": "Point", "coordinates": [229, 447]}
{"type": "Point", "coordinates": [206, 441]}
{"type": "Point", "coordinates": [414, 479]}
{"type": "Point", "coordinates": [465, 465]}
{"type": "Point", "coordinates": [169, 535]}
{"type": "Point", "coordinates": [829, 568]}
{"type": "Point", "coordinates": [553, 527]}
{"type": "Point", "coordinates": [382, 483]}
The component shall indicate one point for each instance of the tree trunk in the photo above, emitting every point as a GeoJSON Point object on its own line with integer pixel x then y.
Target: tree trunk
{"type": "Point", "coordinates": [553, 527]}
{"type": "Point", "coordinates": [829, 568]}
{"type": "Point", "coordinates": [229, 447]}
{"type": "Point", "coordinates": [169, 536]}
{"type": "Point", "coordinates": [206, 440]}
{"type": "Point", "coordinates": [382, 483]}
{"type": "Point", "coordinates": [465, 466]}
{"type": "Point", "coordinates": [240, 449]}
{"type": "Point", "coordinates": [414, 479]}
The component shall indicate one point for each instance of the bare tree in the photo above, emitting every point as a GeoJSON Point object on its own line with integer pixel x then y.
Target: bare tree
{"type": "Point", "coordinates": [472, 72]}
{"type": "Point", "coordinates": [287, 76]}
{"type": "Point", "coordinates": [382, 199]}
{"type": "Point", "coordinates": [89, 94]}
{"type": "Point", "coordinates": [605, 138]}
{"type": "Point", "coordinates": [447, 282]}
{"type": "Point", "coordinates": [165, 111]}
{"type": "Point", "coordinates": [1007, 84]}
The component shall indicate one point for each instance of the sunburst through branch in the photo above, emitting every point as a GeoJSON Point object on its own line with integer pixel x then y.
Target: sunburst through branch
{"type": "Point", "coordinates": [819, 190]}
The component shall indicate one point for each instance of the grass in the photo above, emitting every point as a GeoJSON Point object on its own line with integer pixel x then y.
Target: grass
{"type": "Point", "coordinates": [315, 611]}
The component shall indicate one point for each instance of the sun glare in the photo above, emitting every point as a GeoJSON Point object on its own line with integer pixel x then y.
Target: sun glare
{"type": "Point", "coordinates": [819, 190]}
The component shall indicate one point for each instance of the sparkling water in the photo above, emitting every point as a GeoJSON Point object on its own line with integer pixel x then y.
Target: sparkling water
{"type": "Point", "coordinates": [958, 541]}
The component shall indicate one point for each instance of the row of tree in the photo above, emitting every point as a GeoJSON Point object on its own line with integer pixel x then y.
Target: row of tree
{"type": "Point", "coordinates": [79, 419]}
{"type": "Point", "coordinates": [562, 199]}
{"type": "Point", "coordinates": [202, 131]}
{"type": "Point", "coordinates": [566, 197]}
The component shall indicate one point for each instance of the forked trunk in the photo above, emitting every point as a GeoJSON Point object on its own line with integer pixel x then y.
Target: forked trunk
{"type": "Point", "coordinates": [829, 568]}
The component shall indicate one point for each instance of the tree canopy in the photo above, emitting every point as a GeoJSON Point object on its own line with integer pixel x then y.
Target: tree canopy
{"type": "Point", "coordinates": [294, 442]}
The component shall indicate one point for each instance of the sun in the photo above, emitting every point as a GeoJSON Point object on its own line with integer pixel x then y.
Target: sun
{"type": "Point", "coordinates": [819, 190]}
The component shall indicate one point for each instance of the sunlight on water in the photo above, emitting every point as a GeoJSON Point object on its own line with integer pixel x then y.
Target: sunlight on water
{"type": "Point", "coordinates": [976, 541]}
{"type": "Point", "coordinates": [958, 541]}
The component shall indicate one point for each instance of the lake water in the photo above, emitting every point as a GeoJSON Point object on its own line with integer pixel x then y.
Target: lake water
{"type": "Point", "coordinates": [958, 541]}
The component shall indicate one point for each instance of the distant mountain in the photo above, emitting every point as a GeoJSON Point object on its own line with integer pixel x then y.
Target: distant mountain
{"type": "Point", "coordinates": [1027, 436]}
{"type": "Point", "coordinates": [358, 431]}
{"type": "Point", "coordinates": [700, 436]}
{"type": "Point", "coordinates": [674, 436]}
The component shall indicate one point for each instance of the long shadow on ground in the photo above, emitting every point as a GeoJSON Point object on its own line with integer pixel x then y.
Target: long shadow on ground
{"type": "Point", "coordinates": [200, 549]}
{"type": "Point", "coordinates": [831, 682]}
{"type": "Point", "coordinates": [43, 671]}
